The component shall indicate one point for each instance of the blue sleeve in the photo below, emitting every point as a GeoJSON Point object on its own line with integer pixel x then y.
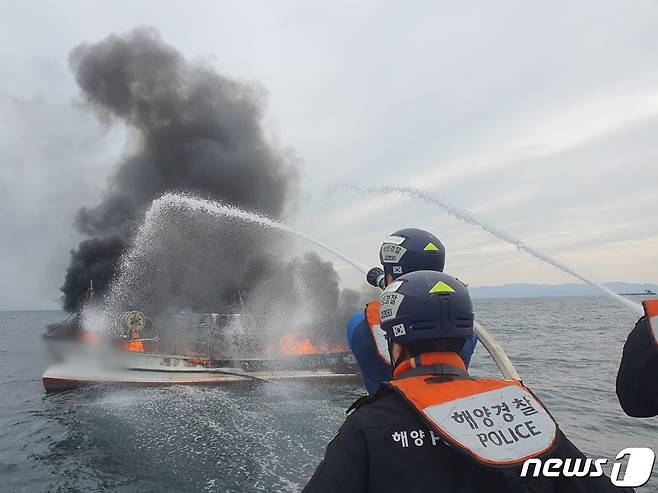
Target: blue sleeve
{"type": "Point", "coordinates": [373, 370]}
{"type": "Point", "coordinates": [352, 325]}
{"type": "Point", "coordinates": [467, 350]}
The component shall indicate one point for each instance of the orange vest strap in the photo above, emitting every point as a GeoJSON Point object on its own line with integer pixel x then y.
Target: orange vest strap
{"type": "Point", "coordinates": [437, 369]}
{"type": "Point", "coordinates": [376, 332]}
{"type": "Point", "coordinates": [496, 422]}
{"type": "Point", "coordinates": [430, 359]}
{"type": "Point", "coordinates": [372, 313]}
{"type": "Point", "coordinates": [651, 310]}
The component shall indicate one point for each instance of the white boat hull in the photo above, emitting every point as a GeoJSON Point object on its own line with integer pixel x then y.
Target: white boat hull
{"type": "Point", "coordinates": [57, 379]}
{"type": "Point", "coordinates": [143, 369]}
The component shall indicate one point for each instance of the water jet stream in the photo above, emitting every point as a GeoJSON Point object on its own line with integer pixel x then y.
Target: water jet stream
{"type": "Point", "coordinates": [468, 217]}
{"type": "Point", "coordinates": [172, 200]}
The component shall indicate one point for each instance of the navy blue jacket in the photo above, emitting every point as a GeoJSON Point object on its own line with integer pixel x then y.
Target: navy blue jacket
{"type": "Point", "coordinates": [364, 457]}
{"type": "Point", "coordinates": [373, 369]}
{"type": "Point", "coordinates": [637, 380]}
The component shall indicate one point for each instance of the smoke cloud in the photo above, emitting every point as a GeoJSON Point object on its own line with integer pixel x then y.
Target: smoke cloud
{"type": "Point", "coordinates": [199, 132]}
{"type": "Point", "coordinates": [196, 130]}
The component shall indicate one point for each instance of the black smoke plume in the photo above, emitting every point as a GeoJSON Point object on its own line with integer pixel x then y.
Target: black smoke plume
{"type": "Point", "coordinates": [196, 131]}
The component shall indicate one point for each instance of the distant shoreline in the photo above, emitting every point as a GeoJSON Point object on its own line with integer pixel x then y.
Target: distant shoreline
{"type": "Point", "coordinates": [592, 295]}
{"type": "Point", "coordinates": [529, 290]}
{"type": "Point", "coordinates": [514, 290]}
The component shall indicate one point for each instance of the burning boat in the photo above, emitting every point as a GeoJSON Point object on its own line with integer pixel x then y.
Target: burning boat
{"type": "Point", "coordinates": [137, 354]}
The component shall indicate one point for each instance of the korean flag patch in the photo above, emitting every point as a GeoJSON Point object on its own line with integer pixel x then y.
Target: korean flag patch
{"type": "Point", "coordinates": [398, 330]}
{"type": "Point", "coordinates": [397, 269]}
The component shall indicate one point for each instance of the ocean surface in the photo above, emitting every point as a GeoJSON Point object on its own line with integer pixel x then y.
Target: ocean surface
{"type": "Point", "coordinates": [266, 437]}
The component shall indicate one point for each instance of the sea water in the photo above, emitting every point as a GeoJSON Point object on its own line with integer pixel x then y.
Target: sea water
{"type": "Point", "coordinates": [270, 437]}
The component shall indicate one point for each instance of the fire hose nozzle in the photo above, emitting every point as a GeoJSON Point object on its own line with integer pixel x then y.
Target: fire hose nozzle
{"type": "Point", "coordinates": [375, 277]}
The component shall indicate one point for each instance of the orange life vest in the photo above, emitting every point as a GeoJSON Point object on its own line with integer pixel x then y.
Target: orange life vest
{"type": "Point", "coordinates": [497, 422]}
{"type": "Point", "coordinates": [651, 310]}
{"type": "Point", "coordinates": [376, 332]}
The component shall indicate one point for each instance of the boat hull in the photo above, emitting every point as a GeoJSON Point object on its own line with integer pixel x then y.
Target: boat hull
{"type": "Point", "coordinates": [144, 369]}
{"type": "Point", "coordinates": [58, 379]}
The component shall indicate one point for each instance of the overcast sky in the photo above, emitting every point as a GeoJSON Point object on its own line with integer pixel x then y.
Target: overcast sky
{"type": "Point", "coordinates": [540, 117]}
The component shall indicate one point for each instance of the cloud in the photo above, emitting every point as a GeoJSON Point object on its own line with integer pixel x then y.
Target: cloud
{"type": "Point", "coordinates": [542, 122]}
{"type": "Point", "coordinates": [52, 156]}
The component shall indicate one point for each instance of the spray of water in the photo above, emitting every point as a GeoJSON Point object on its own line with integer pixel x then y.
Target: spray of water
{"type": "Point", "coordinates": [468, 217]}
{"type": "Point", "coordinates": [124, 287]}
{"type": "Point", "coordinates": [173, 200]}
{"type": "Point", "coordinates": [120, 291]}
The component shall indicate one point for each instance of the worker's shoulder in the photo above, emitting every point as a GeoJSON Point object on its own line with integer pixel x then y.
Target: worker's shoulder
{"type": "Point", "coordinates": [641, 349]}
{"type": "Point", "coordinates": [356, 318]}
{"type": "Point", "coordinates": [382, 409]}
{"type": "Point", "coordinates": [643, 334]}
{"type": "Point", "coordinates": [353, 324]}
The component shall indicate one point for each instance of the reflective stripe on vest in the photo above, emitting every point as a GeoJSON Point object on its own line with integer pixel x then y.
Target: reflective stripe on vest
{"type": "Point", "coordinates": [376, 332]}
{"type": "Point", "coordinates": [497, 422]}
{"type": "Point", "coordinates": [651, 310]}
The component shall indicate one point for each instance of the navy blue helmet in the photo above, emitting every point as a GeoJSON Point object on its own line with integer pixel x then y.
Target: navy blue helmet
{"type": "Point", "coordinates": [426, 305]}
{"type": "Point", "coordinates": [409, 250]}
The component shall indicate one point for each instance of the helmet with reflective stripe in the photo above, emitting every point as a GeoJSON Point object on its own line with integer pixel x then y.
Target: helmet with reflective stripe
{"type": "Point", "coordinates": [426, 305]}
{"type": "Point", "coordinates": [409, 250]}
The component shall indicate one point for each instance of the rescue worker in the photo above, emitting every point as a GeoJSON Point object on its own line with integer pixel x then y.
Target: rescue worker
{"type": "Point", "coordinates": [405, 251]}
{"type": "Point", "coordinates": [637, 379]}
{"type": "Point", "coordinates": [433, 428]}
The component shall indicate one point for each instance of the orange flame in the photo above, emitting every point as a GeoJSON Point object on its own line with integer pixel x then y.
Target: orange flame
{"type": "Point", "coordinates": [296, 344]}
{"type": "Point", "coordinates": [136, 346]}
{"type": "Point", "coordinates": [200, 362]}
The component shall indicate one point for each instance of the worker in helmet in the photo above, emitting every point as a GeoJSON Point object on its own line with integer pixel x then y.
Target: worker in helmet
{"type": "Point", "coordinates": [637, 379]}
{"type": "Point", "coordinates": [433, 428]}
{"type": "Point", "coordinates": [405, 251]}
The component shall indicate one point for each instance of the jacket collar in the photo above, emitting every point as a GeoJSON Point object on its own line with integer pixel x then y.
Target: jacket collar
{"type": "Point", "coordinates": [429, 359]}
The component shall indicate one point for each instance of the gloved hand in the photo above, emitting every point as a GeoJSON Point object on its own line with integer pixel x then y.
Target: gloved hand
{"type": "Point", "coordinates": [375, 277]}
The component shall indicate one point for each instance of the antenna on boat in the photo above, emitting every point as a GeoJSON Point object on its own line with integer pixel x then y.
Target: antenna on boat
{"type": "Point", "coordinates": [89, 296]}
{"type": "Point", "coordinates": [241, 303]}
